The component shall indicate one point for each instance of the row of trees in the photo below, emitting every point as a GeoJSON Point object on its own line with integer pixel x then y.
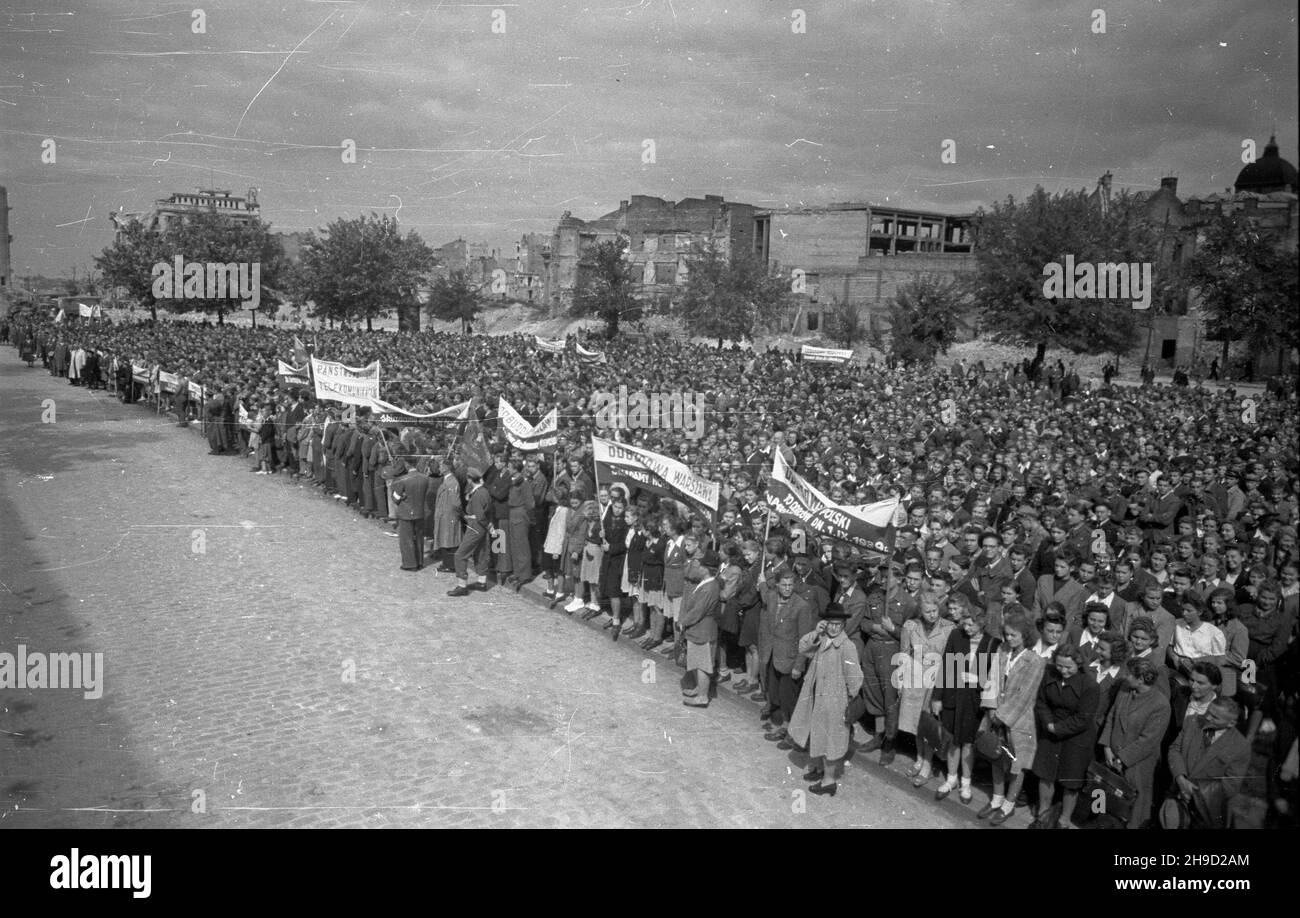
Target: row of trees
{"type": "Point", "coordinates": [356, 270]}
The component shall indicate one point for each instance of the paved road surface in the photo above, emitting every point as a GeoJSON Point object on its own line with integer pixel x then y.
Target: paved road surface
{"type": "Point", "coordinates": [226, 692]}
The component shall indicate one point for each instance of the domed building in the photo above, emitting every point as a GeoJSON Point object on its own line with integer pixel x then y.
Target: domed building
{"type": "Point", "coordinates": [1268, 173]}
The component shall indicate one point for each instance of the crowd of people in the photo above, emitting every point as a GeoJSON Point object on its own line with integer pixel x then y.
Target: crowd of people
{"type": "Point", "coordinates": [1112, 567]}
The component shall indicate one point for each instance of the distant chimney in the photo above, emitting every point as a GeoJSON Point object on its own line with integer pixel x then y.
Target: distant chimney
{"type": "Point", "coordinates": [1169, 183]}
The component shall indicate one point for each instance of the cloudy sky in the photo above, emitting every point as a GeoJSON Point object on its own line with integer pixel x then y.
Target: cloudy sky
{"type": "Point", "coordinates": [461, 130]}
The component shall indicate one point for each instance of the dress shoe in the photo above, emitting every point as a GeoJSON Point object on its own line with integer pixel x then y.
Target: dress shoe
{"type": "Point", "coordinates": [590, 614]}
{"type": "Point", "coordinates": [887, 754]}
{"type": "Point", "coordinates": [458, 591]}
{"type": "Point", "coordinates": [1001, 816]}
{"type": "Point", "coordinates": [479, 587]}
{"type": "Point", "coordinates": [920, 778]}
{"type": "Point", "coordinates": [965, 797]}
{"type": "Point", "coordinates": [613, 635]}
{"type": "Point", "coordinates": [814, 774]}
{"type": "Point", "coordinates": [785, 744]}
{"type": "Point", "coordinates": [776, 736]}
{"type": "Point", "coordinates": [609, 624]}
{"type": "Point", "coordinates": [872, 744]}
{"type": "Point", "coordinates": [637, 633]}
{"type": "Point", "coordinates": [766, 713]}
{"type": "Point", "coordinates": [744, 686]}
{"type": "Point", "coordinates": [943, 792]}
{"type": "Point", "coordinates": [823, 791]}
{"type": "Point", "coordinates": [987, 810]}
{"type": "Point", "coordinates": [695, 703]}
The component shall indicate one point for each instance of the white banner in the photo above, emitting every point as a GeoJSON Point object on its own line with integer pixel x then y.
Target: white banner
{"type": "Point", "coordinates": [660, 474]}
{"type": "Point", "coordinates": [170, 382]}
{"type": "Point", "coordinates": [392, 416]}
{"type": "Point", "coordinates": [825, 354]}
{"type": "Point", "coordinates": [349, 385]}
{"type": "Point", "coordinates": [522, 435]}
{"type": "Point", "coordinates": [196, 392]}
{"type": "Point", "coordinates": [551, 347]}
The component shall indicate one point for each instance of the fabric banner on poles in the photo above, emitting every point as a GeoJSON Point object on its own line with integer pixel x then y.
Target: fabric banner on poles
{"type": "Point", "coordinates": [245, 421]}
{"type": "Point", "coordinates": [387, 415]}
{"type": "Point", "coordinates": [90, 312]}
{"type": "Point", "coordinates": [349, 385]}
{"type": "Point", "coordinates": [286, 375]}
{"type": "Point", "coordinates": [140, 374]}
{"type": "Point", "coordinates": [524, 436]}
{"type": "Point", "coordinates": [551, 347]}
{"type": "Point", "coordinates": [587, 356]}
{"type": "Point", "coordinates": [865, 525]}
{"type": "Point", "coordinates": [640, 468]}
{"type": "Point", "coordinates": [196, 392]}
{"type": "Point", "coordinates": [168, 382]}
{"type": "Point", "coordinates": [824, 354]}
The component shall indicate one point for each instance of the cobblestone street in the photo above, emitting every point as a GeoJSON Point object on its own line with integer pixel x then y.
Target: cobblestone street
{"type": "Point", "coordinates": [267, 664]}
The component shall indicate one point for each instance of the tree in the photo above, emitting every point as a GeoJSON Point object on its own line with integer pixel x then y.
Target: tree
{"type": "Point", "coordinates": [213, 239]}
{"type": "Point", "coordinates": [730, 297]}
{"type": "Point", "coordinates": [454, 297]}
{"type": "Point", "coordinates": [844, 324]}
{"type": "Point", "coordinates": [605, 286]}
{"type": "Point", "coordinates": [128, 263]}
{"type": "Point", "coordinates": [1016, 241]}
{"type": "Point", "coordinates": [924, 318]}
{"type": "Point", "coordinates": [362, 268]}
{"type": "Point", "coordinates": [1247, 287]}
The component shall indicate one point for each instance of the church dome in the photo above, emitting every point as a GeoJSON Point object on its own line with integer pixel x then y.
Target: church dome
{"type": "Point", "coordinates": [1268, 173]}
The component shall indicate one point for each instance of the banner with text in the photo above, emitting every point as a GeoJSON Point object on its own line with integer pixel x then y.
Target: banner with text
{"type": "Point", "coordinates": [349, 385]}
{"type": "Point", "coordinates": [865, 525]}
{"type": "Point", "coordinates": [640, 468]}
{"type": "Point", "coordinates": [286, 375]}
{"type": "Point", "coordinates": [825, 354]}
{"type": "Point", "coordinates": [524, 436]}
{"type": "Point", "coordinates": [551, 347]}
{"type": "Point", "coordinates": [387, 415]}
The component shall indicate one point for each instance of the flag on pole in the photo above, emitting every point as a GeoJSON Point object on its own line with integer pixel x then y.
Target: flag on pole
{"type": "Point", "coordinates": [300, 355]}
{"type": "Point", "coordinates": [474, 448]}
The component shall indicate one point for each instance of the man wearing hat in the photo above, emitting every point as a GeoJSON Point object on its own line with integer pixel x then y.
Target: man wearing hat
{"type": "Point", "coordinates": [833, 678]}
{"type": "Point", "coordinates": [473, 544]}
{"type": "Point", "coordinates": [411, 496]}
{"type": "Point", "coordinates": [882, 625]}
{"type": "Point", "coordinates": [698, 620]}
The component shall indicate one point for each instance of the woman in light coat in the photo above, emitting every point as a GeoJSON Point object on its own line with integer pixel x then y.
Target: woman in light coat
{"type": "Point", "coordinates": [1019, 672]}
{"type": "Point", "coordinates": [832, 678]}
{"type": "Point", "coordinates": [921, 640]}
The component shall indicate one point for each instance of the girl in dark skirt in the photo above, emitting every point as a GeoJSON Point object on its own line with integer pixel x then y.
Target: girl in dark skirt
{"type": "Point", "coordinates": [1066, 714]}
{"type": "Point", "coordinates": [652, 580]}
{"type": "Point", "coordinates": [966, 689]}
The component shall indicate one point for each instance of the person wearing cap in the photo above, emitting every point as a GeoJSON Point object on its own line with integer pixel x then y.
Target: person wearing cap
{"type": "Point", "coordinates": [783, 619]}
{"type": "Point", "coordinates": [473, 544]}
{"type": "Point", "coordinates": [833, 678]}
{"type": "Point", "coordinates": [698, 620]}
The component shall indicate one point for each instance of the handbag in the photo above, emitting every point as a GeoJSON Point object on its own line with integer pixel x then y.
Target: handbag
{"type": "Point", "coordinates": [993, 744]}
{"type": "Point", "coordinates": [1115, 792]}
{"type": "Point", "coordinates": [933, 732]}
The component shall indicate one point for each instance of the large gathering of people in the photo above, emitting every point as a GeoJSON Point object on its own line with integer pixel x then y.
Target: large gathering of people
{"type": "Point", "coordinates": [1113, 567]}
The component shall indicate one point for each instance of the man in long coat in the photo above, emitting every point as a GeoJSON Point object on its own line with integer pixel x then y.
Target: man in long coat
{"type": "Point", "coordinates": [833, 678]}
